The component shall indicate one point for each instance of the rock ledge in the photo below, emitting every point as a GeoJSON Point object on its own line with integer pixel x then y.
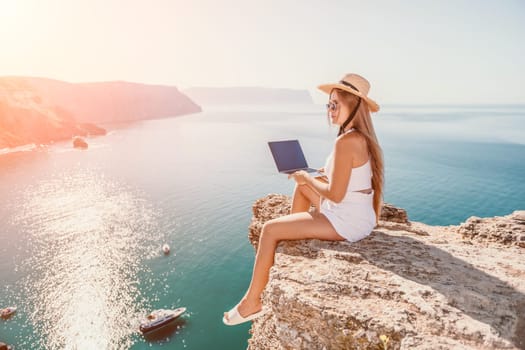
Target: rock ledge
{"type": "Point", "coordinates": [424, 287]}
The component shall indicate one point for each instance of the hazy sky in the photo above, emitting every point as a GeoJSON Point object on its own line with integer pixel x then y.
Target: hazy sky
{"type": "Point", "coordinates": [451, 51]}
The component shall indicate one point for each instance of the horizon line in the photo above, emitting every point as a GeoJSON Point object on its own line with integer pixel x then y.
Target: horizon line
{"type": "Point", "coordinates": [181, 88]}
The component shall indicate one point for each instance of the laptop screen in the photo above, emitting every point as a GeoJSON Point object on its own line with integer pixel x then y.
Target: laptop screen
{"type": "Point", "coordinates": [288, 155]}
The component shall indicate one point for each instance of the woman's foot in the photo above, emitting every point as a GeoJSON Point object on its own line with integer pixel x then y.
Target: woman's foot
{"type": "Point", "coordinates": [247, 307]}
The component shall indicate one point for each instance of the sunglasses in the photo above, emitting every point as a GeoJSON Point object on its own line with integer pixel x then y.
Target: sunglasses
{"type": "Point", "coordinates": [331, 106]}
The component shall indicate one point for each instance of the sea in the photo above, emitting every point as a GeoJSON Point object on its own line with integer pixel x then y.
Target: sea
{"type": "Point", "coordinates": [81, 231]}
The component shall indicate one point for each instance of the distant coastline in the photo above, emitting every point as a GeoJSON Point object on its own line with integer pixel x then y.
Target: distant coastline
{"type": "Point", "coordinates": [217, 96]}
{"type": "Point", "coordinates": [41, 111]}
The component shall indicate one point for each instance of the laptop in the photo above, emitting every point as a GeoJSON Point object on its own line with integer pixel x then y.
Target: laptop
{"type": "Point", "coordinates": [289, 157]}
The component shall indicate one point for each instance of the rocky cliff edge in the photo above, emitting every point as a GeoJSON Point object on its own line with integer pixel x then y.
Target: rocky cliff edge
{"type": "Point", "coordinates": [420, 286]}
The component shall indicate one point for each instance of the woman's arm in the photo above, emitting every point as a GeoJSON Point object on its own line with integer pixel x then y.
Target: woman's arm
{"type": "Point", "coordinates": [335, 189]}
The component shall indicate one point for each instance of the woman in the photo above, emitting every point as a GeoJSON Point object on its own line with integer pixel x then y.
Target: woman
{"type": "Point", "coordinates": [348, 201]}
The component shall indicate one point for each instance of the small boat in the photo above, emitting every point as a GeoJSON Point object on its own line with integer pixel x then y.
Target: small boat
{"type": "Point", "coordinates": [159, 318]}
{"type": "Point", "coordinates": [4, 346]}
{"type": "Point", "coordinates": [7, 312]}
{"type": "Point", "coordinates": [166, 248]}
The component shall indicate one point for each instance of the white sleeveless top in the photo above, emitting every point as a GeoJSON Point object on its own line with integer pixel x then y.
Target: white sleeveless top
{"type": "Point", "coordinates": [354, 217]}
{"type": "Point", "coordinates": [360, 178]}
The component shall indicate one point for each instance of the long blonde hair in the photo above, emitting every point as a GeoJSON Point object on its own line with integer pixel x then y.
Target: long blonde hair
{"type": "Point", "coordinates": [362, 122]}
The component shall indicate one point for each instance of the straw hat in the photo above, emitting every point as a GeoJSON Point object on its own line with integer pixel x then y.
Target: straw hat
{"type": "Point", "coordinates": [354, 84]}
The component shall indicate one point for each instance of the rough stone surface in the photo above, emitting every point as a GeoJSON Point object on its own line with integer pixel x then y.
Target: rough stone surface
{"type": "Point", "coordinates": [425, 287]}
{"type": "Point", "coordinates": [508, 229]}
{"type": "Point", "coordinates": [392, 214]}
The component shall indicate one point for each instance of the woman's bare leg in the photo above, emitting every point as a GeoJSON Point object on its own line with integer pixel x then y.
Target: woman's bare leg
{"type": "Point", "coordinates": [289, 227]}
{"type": "Point", "coordinates": [303, 197]}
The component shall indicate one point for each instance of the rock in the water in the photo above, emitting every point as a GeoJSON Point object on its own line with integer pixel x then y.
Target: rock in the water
{"type": "Point", "coordinates": [79, 143]}
{"type": "Point", "coordinates": [422, 291]}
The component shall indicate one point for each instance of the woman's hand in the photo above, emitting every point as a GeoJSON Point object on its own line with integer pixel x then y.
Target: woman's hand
{"type": "Point", "coordinates": [301, 177]}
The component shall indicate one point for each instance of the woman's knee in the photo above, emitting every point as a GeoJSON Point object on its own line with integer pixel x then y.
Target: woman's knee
{"type": "Point", "coordinates": [302, 188]}
{"type": "Point", "coordinates": [269, 231]}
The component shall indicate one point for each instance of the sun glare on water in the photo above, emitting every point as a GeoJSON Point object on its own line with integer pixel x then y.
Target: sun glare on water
{"type": "Point", "coordinates": [88, 238]}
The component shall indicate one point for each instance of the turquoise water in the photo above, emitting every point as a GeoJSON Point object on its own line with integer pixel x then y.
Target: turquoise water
{"type": "Point", "coordinates": [81, 231]}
